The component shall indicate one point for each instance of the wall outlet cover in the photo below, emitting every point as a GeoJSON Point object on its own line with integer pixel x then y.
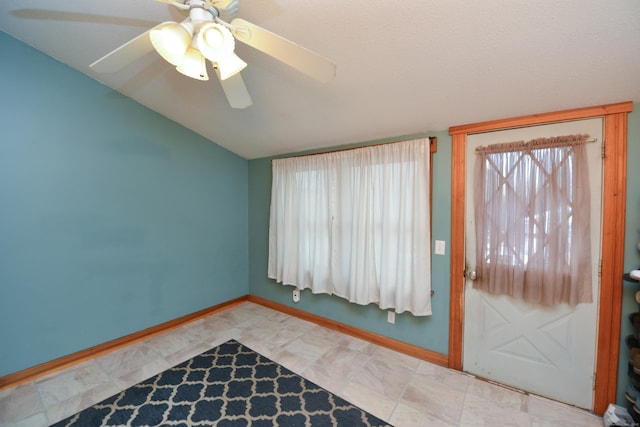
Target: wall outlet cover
{"type": "Point", "coordinates": [391, 317]}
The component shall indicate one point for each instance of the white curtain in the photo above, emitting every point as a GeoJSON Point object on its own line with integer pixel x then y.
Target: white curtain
{"type": "Point", "coordinates": [355, 224]}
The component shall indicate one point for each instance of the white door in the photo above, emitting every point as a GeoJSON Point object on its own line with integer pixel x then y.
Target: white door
{"type": "Point", "coordinates": [549, 351]}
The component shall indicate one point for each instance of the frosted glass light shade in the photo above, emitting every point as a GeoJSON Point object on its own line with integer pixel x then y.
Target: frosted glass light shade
{"type": "Point", "coordinates": [230, 66]}
{"type": "Point", "coordinates": [193, 64]}
{"type": "Point", "coordinates": [171, 40]}
{"type": "Point", "coordinates": [215, 41]}
{"type": "Point", "coordinates": [217, 45]}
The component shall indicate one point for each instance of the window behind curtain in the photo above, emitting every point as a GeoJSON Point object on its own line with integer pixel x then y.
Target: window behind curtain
{"type": "Point", "coordinates": [355, 224]}
{"type": "Point", "coordinates": [532, 215]}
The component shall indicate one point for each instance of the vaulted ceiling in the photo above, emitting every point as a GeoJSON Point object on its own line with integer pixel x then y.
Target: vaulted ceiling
{"type": "Point", "coordinates": [403, 67]}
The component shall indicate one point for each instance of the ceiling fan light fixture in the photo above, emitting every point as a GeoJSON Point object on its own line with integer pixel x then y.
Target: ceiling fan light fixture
{"type": "Point", "coordinates": [193, 64]}
{"type": "Point", "coordinates": [209, 33]}
{"type": "Point", "coordinates": [230, 66]}
{"type": "Point", "coordinates": [171, 40]}
{"type": "Point", "coordinates": [216, 43]}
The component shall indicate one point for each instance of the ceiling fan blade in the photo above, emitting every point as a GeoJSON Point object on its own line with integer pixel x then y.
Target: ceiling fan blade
{"type": "Point", "coordinates": [294, 55]}
{"type": "Point", "coordinates": [57, 15]}
{"type": "Point", "coordinates": [125, 54]}
{"type": "Point", "coordinates": [235, 90]}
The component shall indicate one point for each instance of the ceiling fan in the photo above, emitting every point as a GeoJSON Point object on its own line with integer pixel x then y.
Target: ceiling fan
{"type": "Point", "coordinates": [209, 33]}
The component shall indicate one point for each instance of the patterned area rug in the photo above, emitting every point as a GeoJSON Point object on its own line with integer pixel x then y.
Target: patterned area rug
{"type": "Point", "coordinates": [229, 385]}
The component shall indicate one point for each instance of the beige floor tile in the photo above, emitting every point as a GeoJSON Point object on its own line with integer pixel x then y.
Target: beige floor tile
{"type": "Point", "coordinates": [19, 403]}
{"type": "Point", "coordinates": [406, 416]}
{"type": "Point", "coordinates": [308, 347]}
{"type": "Point", "coordinates": [209, 329]}
{"type": "Point", "coordinates": [187, 353]}
{"type": "Point", "coordinates": [438, 374]}
{"type": "Point", "coordinates": [395, 358]}
{"type": "Point", "coordinates": [386, 378]}
{"type": "Point", "coordinates": [276, 337]}
{"type": "Point", "coordinates": [71, 383]}
{"type": "Point", "coordinates": [299, 324]}
{"type": "Point", "coordinates": [548, 413]}
{"type": "Point", "coordinates": [133, 377]}
{"type": "Point", "coordinates": [479, 411]}
{"type": "Point", "coordinates": [371, 401]}
{"type": "Point", "coordinates": [128, 359]}
{"type": "Point", "coordinates": [353, 343]}
{"type": "Point", "coordinates": [325, 377]}
{"type": "Point", "coordinates": [172, 342]}
{"type": "Point", "coordinates": [36, 420]}
{"type": "Point", "coordinates": [342, 361]}
{"type": "Point", "coordinates": [243, 313]}
{"type": "Point", "coordinates": [439, 400]}
{"type": "Point", "coordinates": [291, 360]}
{"type": "Point", "coordinates": [501, 396]}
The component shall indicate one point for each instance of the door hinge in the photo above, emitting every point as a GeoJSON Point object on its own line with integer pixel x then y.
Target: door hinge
{"type": "Point", "coordinates": [600, 268]}
{"type": "Point", "coordinates": [604, 150]}
{"type": "Point", "coordinates": [594, 381]}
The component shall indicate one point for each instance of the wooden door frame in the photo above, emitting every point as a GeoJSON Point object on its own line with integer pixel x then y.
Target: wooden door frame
{"type": "Point", "coordinates": [613, 227]}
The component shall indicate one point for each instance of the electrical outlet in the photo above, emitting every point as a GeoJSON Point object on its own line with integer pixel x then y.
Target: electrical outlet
{"type": "Point", "coordinates": [296, 295]}
{"type": "Point", "coordinates": [391, 317]}
{"type": "Point", "coordinates": [440, 247]}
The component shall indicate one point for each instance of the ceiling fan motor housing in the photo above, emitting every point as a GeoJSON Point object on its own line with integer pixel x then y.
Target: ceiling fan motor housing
{"type": "Point", "coordinates": [224, 9]}
{"type": "Point", "coordinates": [227, 9]}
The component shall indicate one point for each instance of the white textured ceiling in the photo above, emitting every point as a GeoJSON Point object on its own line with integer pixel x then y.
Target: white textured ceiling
{"type": "Point", "coordinates": [403, 67]}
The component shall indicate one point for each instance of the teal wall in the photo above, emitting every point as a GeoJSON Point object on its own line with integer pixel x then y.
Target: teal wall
{"type": "Point", "coordinates": [431, 332]}
{"type": "Point", "coordinates": [112, 218]}
{"type": "Point", "coordinates": [632, 237]}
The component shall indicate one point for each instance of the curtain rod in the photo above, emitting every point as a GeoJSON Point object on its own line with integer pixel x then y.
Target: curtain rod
{"type": "Point", "coordinates": [433, 142]}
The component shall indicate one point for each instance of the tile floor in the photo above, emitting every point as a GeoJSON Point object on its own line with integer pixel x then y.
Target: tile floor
{"type": "Point", "coordinates": [400, 389]}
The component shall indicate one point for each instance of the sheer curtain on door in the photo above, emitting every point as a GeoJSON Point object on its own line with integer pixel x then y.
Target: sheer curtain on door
{"type": "Point", "coordinates": [532, 214]}
{"type": "Point", "coordinates": [355, 224]}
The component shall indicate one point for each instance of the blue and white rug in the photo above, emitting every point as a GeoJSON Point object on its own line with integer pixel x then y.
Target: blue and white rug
{"type": "Point", "coordinates": [229, 385]}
